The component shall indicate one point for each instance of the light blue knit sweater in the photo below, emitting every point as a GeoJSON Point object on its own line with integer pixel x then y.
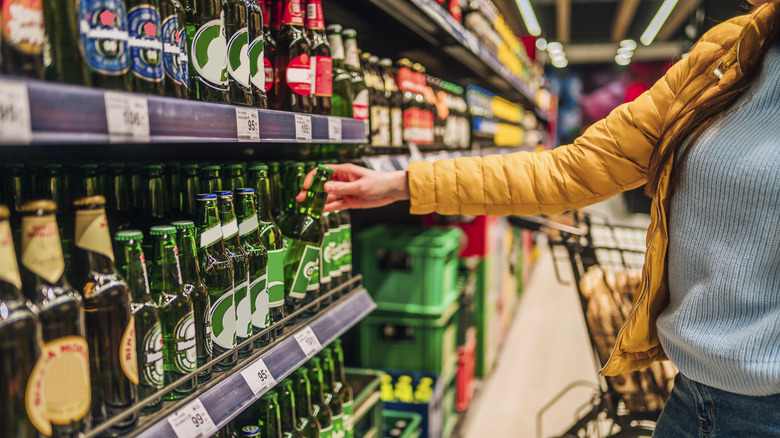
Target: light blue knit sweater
{"type": "Point", "coordinates": [722, 326]}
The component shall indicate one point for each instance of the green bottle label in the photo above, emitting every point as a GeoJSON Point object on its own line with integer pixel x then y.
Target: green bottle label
{"type": "Point", "coordinates": [325, 272]}
{"type": "Point", "coordinates": [327, 432]}
{"type": "Point", "coordinates": [276, 278]}
{"type": "Point", "coordinates": [258, 291]}
{"type": "Point", "coordinates": [152, 359]}
{"type": "Point", "coordinates": [238, 57]}
{"type": "Point", "coordinates": [329, 254]}
{"type": "Point", "coordinates": [223, 321]}
{"type": "Point", "coordinates": [307, 268]}
{"type": "Point", "coordinates": [346, 249]}
{"type": "Point", "coordinates": [243, 310]}
{"type": "Point", "coordinates": [209, 53]}
{"type": "Point", "coordinates": [257, 63]}
{"type": "Point", "coordinates": [186, 357]}
{"type": "Point", "coordinates": [338, 426]}
{"type": "Point", "coordinates": [314, 278]}
{"type": "Point", "coordinates": [349, 427]}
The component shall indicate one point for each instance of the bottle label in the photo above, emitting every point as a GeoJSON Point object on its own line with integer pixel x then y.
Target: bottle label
{"type": "Point", "coordinates": [9, 270]}
{"type": "Point", "coordinates": [298, 75]}
{"type": "Point", "coordinates": [292, 14]}
{"type": "Point", "coordinates": [208, 343]}
{"type": "Point", "coordinates": [323, 76]}
{"type": "Point", "coordinates": [184, 58]}
{"type": "Point", "coordinates": [307, 269]}
{"type": "Point", "coordinates": [22, 24]}
{"type": "Point", "coordinates": [230, 229]}
{"type": "Point", "coordinates": [243, 310]}
{"type": "Point", "coordinates": [276, 278]}
{"type": "Point", "coordinates": [258, 291]}
{"type": "Point", "coordinates": [153, 370]}
{"type": "Point", "coordinates": [92, 232]}
{"type": "Point", "coordinates": [247, 226]}
{"type": "Point", "coordinates": [327, 432]}
{"type": "Point", "coordinates": [103, 27]}
{"type": "Point", "coordinates": [223, 321]}
{"type": "Point", "coordinates": [58, 391]}
{"type": "Point", "coordinates": [397, 127]}
{"type": "Point", "coordinates": [325, 272]}
{"type": "Point", "coordinates": [338, 426]}
{"type": "Point", "coordinates": [360, 105]}
{"type": "Point", "coordinates": [314, 16]}
{"type": "Point", "coordinates": [128, 358]}
{"type": "Point", "coordinates": [347, 249]}
{"type": "Point", "coordinates": [238, 57]}
{"type": "Point", "coordinates": [145, 44]}
{"type": "Point", "coordinates": [375, 120]}
{"type": "Point", "coordinates": [171, 35]}
{"type": "Point", "coordinates": [41, 249]}
{"type": "Point", "coordinates": [347, 421]}
{"type": "Point", "coordinates": [269, 74]}
{"type": "Point", "coordinates": [186, 357]}
{"type": "Point", "coordinates": [209, 53]}
{"type": "Point", "coordinates": [384, 125]}
{"type": "Point", "coordinates": [256, 63]}
{"type": "Point", "coordinates": [210, 236]}
{"type": "Point", "coordinates": [314, 279]}
{"type": "Point", "coordinates": [330, 254]}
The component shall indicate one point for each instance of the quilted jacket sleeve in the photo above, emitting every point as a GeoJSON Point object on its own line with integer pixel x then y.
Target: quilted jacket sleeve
{"type": "Point", "coordinates": [610, 157]}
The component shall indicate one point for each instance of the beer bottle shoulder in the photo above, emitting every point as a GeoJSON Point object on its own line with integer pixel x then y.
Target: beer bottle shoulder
{"type": "Point", "coordinates": [19, 313]}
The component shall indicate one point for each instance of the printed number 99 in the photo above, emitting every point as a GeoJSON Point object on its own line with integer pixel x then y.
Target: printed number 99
{"type": "Point", "coordinates": [197, 420]}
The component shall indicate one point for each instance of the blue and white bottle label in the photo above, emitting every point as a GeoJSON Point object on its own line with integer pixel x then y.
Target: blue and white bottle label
{"type": "Point", "coordinates": [103, 29]}
{"type": "Point", "coordinates": [146, 46]}
{"type": "Point", "coordinates": [171, 33]}
{"type": "Point", "coordinates": [184, 57]}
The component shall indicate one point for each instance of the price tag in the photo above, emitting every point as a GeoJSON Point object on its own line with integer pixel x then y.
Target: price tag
{"type": "Point", "coordinates": [192, 421]}
{"type": "Point", "coordinates": [127, 116]}
{"type": "Point", "coordinates": [248, 124]}
{"type": "Point", "coordinates": [308, 341]}
{"type": "Point", "coordinates": [258, 377]}
{"type": "Point", "coordinates": [303, 127]}
{"type": "Point", "coordinates": [334, 130]}
{"type": "Point", "coordinates": [15, 125]}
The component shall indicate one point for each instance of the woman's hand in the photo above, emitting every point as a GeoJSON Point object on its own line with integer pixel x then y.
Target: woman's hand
{"type": "Point", "coordinates": [357, 187]}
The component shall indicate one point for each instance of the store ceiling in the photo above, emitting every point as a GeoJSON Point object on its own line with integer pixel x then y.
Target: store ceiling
{"type": "Point", "coordinates": [591, 29]}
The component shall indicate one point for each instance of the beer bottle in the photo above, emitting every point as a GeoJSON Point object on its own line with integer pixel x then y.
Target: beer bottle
{"type": "Point", "coordinates": [345, 393]}
{"type": "Point", "coordinates": [249, 235]}
{"type": "Point", "coordinates": [171, 34]}
{"type": "Point", "coordinates": [118, 197]}
{"type": "Point", "coordinates": [293, 63]}
{"type": "Point", "coordinates": [288, 418]}
{"type": "Point", "coordinates": [379, 105]}
{"type": "Point", "coordinates": [270, 418]}
{"type": "Point", "coordinates": [255, 18]}
{"type": "Point", "coordinates": [342, 79]}
{"type": "Point", "coordinates": [330, 273]}
{"type": "Point", "coordinates": [196, 290]}
{"type": "Point", "coordinates": [61, 408]}
{"type": "Point", "coordinates": [395, 103]}
{"type": "Point", "coordinates": [346, 246]}
{"type": "Point", "coordinates": [104, 43]}
{"type": "Point", "coordinates": [269, 52]}
{"type": "Point", "coordinates": [172, 186]}
{"type": "Point", "coordinates": [217, 271]}
{"type": "Point", "coordinates": [322, 64]}
{"type": "Point", "coordinates": [109, 321]}
{"type": "Point", "coordinates": [62, 55]}
{"type": "Point", "coordinates": [210, 180]}
{"type": "Point", "coordinates": [22, 38]}
{"type": "Point", "coordinates": [237, 34]}
{"type": "Point", "coordinates": [331, 391]}
{"type": "Point", "coordinates": [294, 176]}
{"type": "Point", "coordinates": [152, 197]}
{"type": "Point", "coordinates": [276, 11]}
{"type": "Point", "coordinates": [234, 250]}
{"type": "Point", "coordinates": [146, 46]}
{"type": "Point", "coordinates": [20, 340]}
{"type": "Point", "coordinates": [303, 236]}
{"type": "Point", "coordinates": [271, 239]}
{"type": "Point", "coordinates": [207, 50]}
{"type": "Point", "coordinates": [131, 265]}
{"type": "Point", "coordinates": [307, 421]}
{"type": "Point", "coordinates": [233, 177]}
{"type": "Point", "coordinates": [359, 87]}
{"type": "Point", "coordinates": [275, 182]}
{"type": "Point", "coordinates": [175, 310]}
{"type": "Point", "coordinates": [320, 407]}
{"type": "Point", "coordinates": [426, 104]}
{"type": "Point", "coordinates": [190, 186]}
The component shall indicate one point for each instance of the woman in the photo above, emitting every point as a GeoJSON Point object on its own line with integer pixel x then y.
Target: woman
{"type": "Point", "coordinates": [705, 139]}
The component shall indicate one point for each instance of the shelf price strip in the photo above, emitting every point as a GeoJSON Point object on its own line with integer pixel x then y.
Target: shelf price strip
{"type": "Point", "coordinates": [247, 124]}
{"type": "Point", "coordinates": [192, 421]}
{"type": "Point", "coordinates": [308, 342]}
{"type": "Point", "coordinates": [303, 129]}
{"type": "Point", "coordinates": [15, 124]}
{"type": "Point", "coordinates": [258, 377]}
{"type": "Point", "coordinates": [334, 130]}
{"type": "Point", "coordinates": [127, 116]}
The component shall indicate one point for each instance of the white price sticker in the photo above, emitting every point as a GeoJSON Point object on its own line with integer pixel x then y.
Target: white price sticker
{"type": "Point", "coordinates": [192, 421]}
{"type": "Point", "coordinates": [308, 341]}
{"type": "Point", "coordinates": [15, 124]}
{"type": "Point", "coordinates": [258, 377]}
{"type": "Point", "coordinates": [248, 124]}
{"type": "Point", "coordinates": [334, 129]}
{"type": "Point", "coordinates": [127, 116]}
{"type": "Point", "coordinates": [303, 127]}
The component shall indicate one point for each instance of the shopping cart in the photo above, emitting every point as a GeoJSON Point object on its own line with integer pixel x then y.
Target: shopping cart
{"type": "Point", "coordinates": [606, 262]}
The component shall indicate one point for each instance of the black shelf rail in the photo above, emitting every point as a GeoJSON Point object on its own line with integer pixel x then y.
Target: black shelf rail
{"type": "Point", "coordinates": [230, 392]}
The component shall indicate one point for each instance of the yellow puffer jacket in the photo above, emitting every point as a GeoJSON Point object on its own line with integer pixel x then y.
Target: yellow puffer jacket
{"type": "Point", "coordinates": [610, 157]}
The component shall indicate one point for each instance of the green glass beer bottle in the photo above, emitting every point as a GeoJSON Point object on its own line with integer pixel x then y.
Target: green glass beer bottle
{"type": "Point", "coordinates": [190, 187]}
{"type": "Point", "coordinates": [287, 409]}
{"type": "Point", "coordinates": [217, 271]}
{"type": "Point", "coordinates": [109, 321]}
{"type": "Point", "coordinates": [269, 50]}
{"type": "Point", "coordinates": [62, 54]}
{"type": "Point", "coordinates": [249, 235]}
{"type": "Point", "coordinates": [270, 421]}
{"type": "Point", "coordinates": [237, 34]}
{"type": "Point", "coordinates": [331, 390]}
{"type": "Point", "coordinates": [271, 238]}
{"type": "Point", "coordinates": [319, 408]}
{"type": "Point", "coordinates": [342, 80]}
{"type": "Point", "coordinates": [293, 61]}
{"type": "Point", "coordinates": [295, 173]}
{"type": "Point", "coordinates": [146, 46]}
{"type": "Point", "coordinates": [256, 15]}
{"type": "Point", "coordinates": [196, 290]}
{"type": "Point", "coordinates": [104, 42]}
{"type": "Point", "coordinates": [275, 182]}
{"type": "Point", "coordinates": [207, 49]}
{"type": "Point", "coordinates": [175, 310]}
{"type": "Point", "coordinates": [118, 197]}
{"type": "Point", "coordinates": [359, 87]}
{"type": "Point", "coordinates": [66, 409]}
{"type": "Point", "coordinates": [20, 340]}
{"type": "Point", "coordinates": [210, 179]}
{"type": "Point", "coordinates": [303, 235]}
{"type": "Point", "coordinates": [233, 177]}
{"type": "Point", "coordinates": [345, 392]}
{"type": "Point", "coordinates": [23, 39]}
{"type": "Point", "coordinates": [152, 197]}
{"type": "Point", "coordinates": [171, 34]}
{"type": "Point", "coordinates": [307, 421]}
{"type": "Point", "coordinates": [131, 265]}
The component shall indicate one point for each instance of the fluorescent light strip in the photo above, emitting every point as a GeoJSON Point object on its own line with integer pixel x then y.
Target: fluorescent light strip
{"type": "Point", "coordinates": [658, 21]}
{"type": "Point", "coordinates": [529, 18]}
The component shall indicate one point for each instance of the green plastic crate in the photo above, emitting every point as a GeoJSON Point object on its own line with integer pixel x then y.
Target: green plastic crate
{"type": "Point", "coordinates": [399, 424]}
{"type": "Point", "coordinates": [485, 316]}
{"type": "Point", "coordinates": [409, 269]}
{"type": "Point", "coordinates": [405, 341]}
{"type": "Point", "coordinates": [367, 406]}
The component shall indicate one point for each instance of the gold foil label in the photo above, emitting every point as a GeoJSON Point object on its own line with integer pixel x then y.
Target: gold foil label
{"type": "Point", "coordinates": [127, 353]}
{"type": "Point", "coordinates": [9, 270]}
{"type": "Point", "coordinates": [41, 247]}
{"type": "Point", "coordinates": [92, 232]}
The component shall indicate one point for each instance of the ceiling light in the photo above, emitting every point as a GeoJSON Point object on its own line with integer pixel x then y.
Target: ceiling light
{"type": "Point", "coordinates": [657, 22]}
{"type": "Point", "coordinates": [555, 47]}
{"type": "Point", "coordinates": [559, 62]}
{"type": "Point", "coordinates": [541, 43]}
{"type": "Point", "coordinates": [622, 60]}
{"type": "Point", "coordinates": [628, 44]}
{"type": "Point", "coordinates": [625, 52]}
{"type": "Point", "coordinates": [529, 18]}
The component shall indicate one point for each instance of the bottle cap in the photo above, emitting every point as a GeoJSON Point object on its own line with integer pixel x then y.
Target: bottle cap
{"type": "Point", "coordinates": [183, 225]}
{"type": "Point", "coordinates": [4, 212]}
{"type": "Point", "coordinates": [125, 236]}
{"type": "Point", "coordinates": [373, 59]}
{"type": "Point", "coordinates": [327, 351]}
{"type": "Point", "coordinates": [325, 169]}
{"type": "Point", "coordinates": [205, 197]}
{"type": "Point", "coordinates": [90, 200]}
{"type": "Point", "coordinates": [233, 167]}
{"type": "Point", "coordinates": [349, 33]}
{"type": "Point", "coordinates": [245, 191]}
{"type": "Point", "coordinates": [301, 371]}
{"type": "Point", "coordinates": [224, 193]}
{"type": "Point", "coordinates": [189, 166]}
{"type": "Point", "coordinates": [257, 167]}
{"type": "Point", "coordinates": [386, 62]}
{"type": "Point", "coordinates": [335, 28]}
{"type": "Point", "coordinates": [250, 431]}
{"type": "Point", "coordinates": [156, 166]}
{"type": "Point", "coordinates": [210, 168]}
{"type": "Point", "coordinates": [40, 205]}
{"type": "Point", "coordinates": [285, 382]}
{"type": "Point", "coordinates": [162, 230]}
{"type": "Point", "coordinates": [270, 395]}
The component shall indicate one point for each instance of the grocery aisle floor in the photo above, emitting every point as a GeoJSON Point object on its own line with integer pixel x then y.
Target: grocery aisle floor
{"type": "Point", "coordinates": [545, 350]}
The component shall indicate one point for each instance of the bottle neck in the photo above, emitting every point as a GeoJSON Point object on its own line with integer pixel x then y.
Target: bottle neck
{"type": "Point", "coordinates": [336, 49]}
{"type": "Point", "coordinates": [94, 252]}
{"type": "Point", "coordinates": [351, 60]}
{"type": "Point", "coordinates": [191, 187]}
{"type": "Point", "coordinates": [42, 259]}
{"type": "Point", "coordinates": [10, 280]}
{"type": "Point", "coordinates": [120, 195]}
{"type": "Point", "coordinates": [315, 377]}
{"type": "Point", "coordinates": [54, 188]}
{"type": "Point", "coordinates": [328, 375]}
{"type": "Point", "coordinates": [153, 200]}
{"type": "Point", "coordinates": [165, 271]}
{"type": "Point", "coordinates": [131, 264]}
{"type": "Point", "coordinates": [303, 397]}
{"type": "Point", "coordinates": [227, 217]}
{"type": "Point", "coordinates": [314, 203]}
{"type": "Point", "coordinates": [292, 15]}
{"type": "Point", "coordinates": [263, 192]}
{"type": "Point", "coordinates": [314, 16]}
{"type": "Point", "coordinates": [288, 409]}
{"type": "Point", "coordinates": [188, 257]}
{"type": "Point", "coordinates": [338, 358]}
{"type": "Point", "coordinates": [295, 185]}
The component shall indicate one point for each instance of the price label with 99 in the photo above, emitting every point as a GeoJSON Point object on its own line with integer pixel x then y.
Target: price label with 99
{"type": "Point", "coordinates": [192, 421]}
{"type": "Point", "coordinates": [258, 377]}
{"type": "Point", "coordinates": [308, 341]}
{"type": "Point", "coordinates": [127, 116]}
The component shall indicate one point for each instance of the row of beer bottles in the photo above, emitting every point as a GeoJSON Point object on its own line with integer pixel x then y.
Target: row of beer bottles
{"type": "Point", "coordinates": [315, 401]}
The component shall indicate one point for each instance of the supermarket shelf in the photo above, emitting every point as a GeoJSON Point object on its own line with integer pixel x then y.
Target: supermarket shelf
{"type": "Point", "coordinates": [67, 114]}
{"type": "Point", "coordinates": [389, 163]}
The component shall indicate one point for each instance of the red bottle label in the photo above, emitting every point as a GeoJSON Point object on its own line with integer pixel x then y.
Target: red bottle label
{"type": "Point", "coordinates": [22, 24]}
{"type": "Point", "coordinates": [314, 16]}
{"type": "Point", "coordinates": [405, 79]}
{"type": "Point", "coordinates": [292, 14]}
{"type": "Point", "coordinates": [323, 79]}
{"type": "Point", "coordinates": [298, 75]}
{"type": "Point", "coordinates": [360, 106]}
{"type": "Point", "coordinates": [269, 74]}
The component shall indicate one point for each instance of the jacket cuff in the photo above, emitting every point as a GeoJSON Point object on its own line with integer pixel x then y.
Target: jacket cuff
{"type": "Point", "coordinates": [421, 187]}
